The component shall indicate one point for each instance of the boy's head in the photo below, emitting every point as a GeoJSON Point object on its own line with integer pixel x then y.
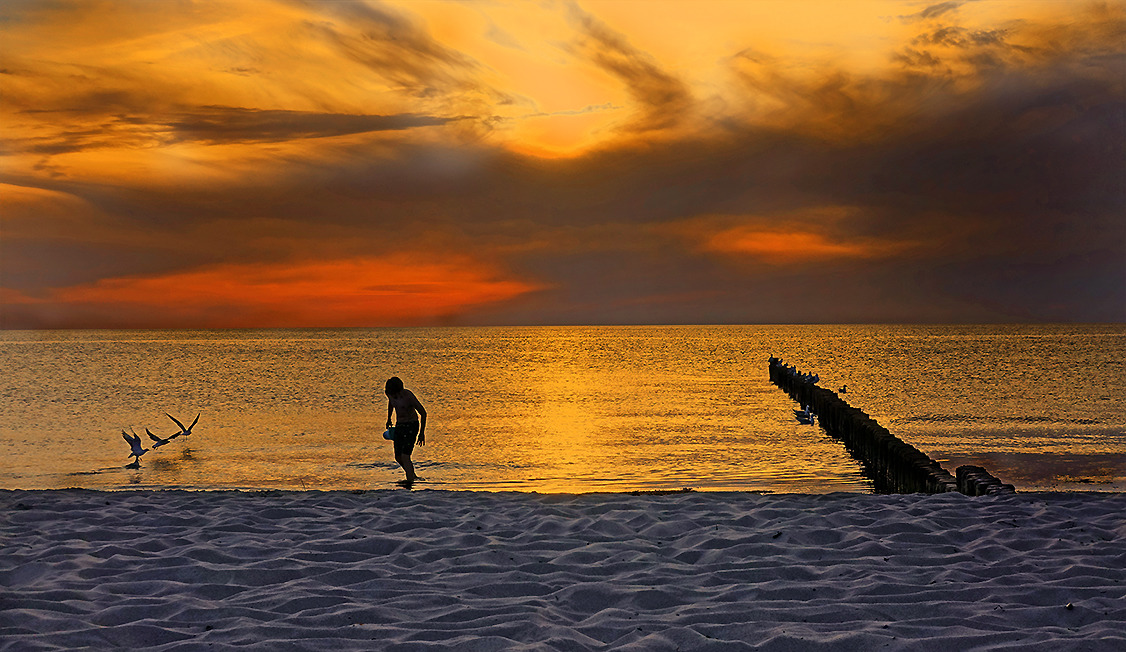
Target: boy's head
{"type": "Point", "coordinates": [394, 386]}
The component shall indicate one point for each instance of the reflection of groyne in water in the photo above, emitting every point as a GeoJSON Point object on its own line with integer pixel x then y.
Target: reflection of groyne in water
{"type": "Point", "coordinates": [894, 464]}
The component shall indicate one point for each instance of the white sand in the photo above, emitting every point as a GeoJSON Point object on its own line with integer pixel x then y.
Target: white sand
{"type": "Point", "coordinates": [396, 570]}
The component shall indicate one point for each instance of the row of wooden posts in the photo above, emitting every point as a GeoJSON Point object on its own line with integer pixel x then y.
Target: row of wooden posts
{"type": "Point", "coordinates": [893, 464]}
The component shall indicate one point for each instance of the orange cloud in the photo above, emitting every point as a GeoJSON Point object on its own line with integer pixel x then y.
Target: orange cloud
{"type": "Point", "coordinates": [399, 290]}
{"type": "Point", "coordinates": [781, 247]}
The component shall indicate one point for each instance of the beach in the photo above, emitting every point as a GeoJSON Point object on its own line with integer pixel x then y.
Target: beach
{"type": "Point", "coordinates": [399, 570]}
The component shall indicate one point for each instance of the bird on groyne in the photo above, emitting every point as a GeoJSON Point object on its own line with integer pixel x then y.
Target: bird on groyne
{"type": "Point", "coordinates": [160, 441]}
{"type": "Point", "coordinates": [136, 450]}
{"type": "Point", "coordinates": [805, 415]}
{"type": "Point", "coordinates": [183, 430]}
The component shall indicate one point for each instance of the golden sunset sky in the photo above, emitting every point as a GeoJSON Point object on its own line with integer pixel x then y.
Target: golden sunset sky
{"type": "Point", "coordinates": [267, 163]}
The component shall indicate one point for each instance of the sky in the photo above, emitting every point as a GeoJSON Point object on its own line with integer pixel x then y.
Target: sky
{"type": "Point", "coordinates": [276, 163]}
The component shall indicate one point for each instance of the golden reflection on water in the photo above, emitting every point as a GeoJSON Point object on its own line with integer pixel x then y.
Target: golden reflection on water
{"type": "Point", "coordinates": [593, 411]}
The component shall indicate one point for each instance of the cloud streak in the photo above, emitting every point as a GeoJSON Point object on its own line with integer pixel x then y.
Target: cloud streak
{"type": "Point", "coordinates": [218, 124]}
{"type": "Point", "coordinates": [663, 101]}
{"type": "Point", "coordinates": [215, 125]}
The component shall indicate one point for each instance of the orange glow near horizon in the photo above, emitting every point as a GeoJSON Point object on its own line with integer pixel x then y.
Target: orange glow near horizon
{"type": "Point", "coordinates": [355, 292]}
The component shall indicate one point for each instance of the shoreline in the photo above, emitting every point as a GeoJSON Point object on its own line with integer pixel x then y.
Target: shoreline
{"type": "Point", "coordinates": [1081, 490]}
{"type": "Point", "coordinates": [437, 569]}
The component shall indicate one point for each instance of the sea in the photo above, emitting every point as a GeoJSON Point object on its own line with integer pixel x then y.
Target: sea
{"type": "Point", "coordinates": [567, 409]}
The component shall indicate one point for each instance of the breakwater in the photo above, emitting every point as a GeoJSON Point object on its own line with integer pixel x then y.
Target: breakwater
{"type": "Point", "coordinates": [894, 465]}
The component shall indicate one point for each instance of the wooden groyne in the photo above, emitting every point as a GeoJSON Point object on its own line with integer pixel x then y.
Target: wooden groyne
{"type": "Point", "coordinates": [894, 465]}
{"type": "Point", "coordinates": [976, 481]}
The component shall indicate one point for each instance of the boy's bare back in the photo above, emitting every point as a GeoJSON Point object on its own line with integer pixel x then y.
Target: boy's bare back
{"type": "Point", "coordinates": [406, 405]}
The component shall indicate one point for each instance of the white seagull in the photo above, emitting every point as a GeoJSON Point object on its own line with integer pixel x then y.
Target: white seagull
{"type": "Point", "coordinates": [135, 447]}
{"type": "Point", "coordinates": [183, 430]}
{"type": "Point", "coordinates": [160, 441]}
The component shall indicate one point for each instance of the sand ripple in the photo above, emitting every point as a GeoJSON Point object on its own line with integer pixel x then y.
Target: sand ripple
{"type": "Point", "coordinates": [474, 571]}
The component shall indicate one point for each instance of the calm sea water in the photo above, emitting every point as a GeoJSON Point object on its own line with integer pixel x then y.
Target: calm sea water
{"type": "Point", "coordinates": [557, 408]}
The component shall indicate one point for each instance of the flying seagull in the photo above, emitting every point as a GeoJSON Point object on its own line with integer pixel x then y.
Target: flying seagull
{"type": "Point", "coordinates": [135, 446]}
{"type": "Point", "coordinates": [183, 430]}
{"type": "Point", "coordinates": [159, 440]}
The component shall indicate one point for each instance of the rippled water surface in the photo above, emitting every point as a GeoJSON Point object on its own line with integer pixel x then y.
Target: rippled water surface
{"type": "Point", "coordinates": [557, 408]}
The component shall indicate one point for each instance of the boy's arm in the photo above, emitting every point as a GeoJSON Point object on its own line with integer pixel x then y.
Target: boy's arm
{"type": "Point", "coordinates": [421, 422]}
{"type": "Point", "coordinates": [389, 409]}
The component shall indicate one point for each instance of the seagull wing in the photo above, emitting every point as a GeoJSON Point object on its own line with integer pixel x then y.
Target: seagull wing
{"type": "Point", "coordinates": [159, 441]}
{"type": "Point", "coordinates": [194, 422]}
{"type": "Point", "coordinates": [134, 444]}
{"type": "Point", "coordinates": [182, 428]}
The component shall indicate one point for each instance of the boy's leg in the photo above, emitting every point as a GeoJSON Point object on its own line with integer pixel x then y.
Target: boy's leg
{"type": "Point", "coordinates": [408, 466]}
{"type": "Point", "coordinates": [404, 446]}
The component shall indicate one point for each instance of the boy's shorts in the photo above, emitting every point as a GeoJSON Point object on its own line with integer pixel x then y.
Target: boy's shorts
{"type": "Point", "coordinates": [406, 434]}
